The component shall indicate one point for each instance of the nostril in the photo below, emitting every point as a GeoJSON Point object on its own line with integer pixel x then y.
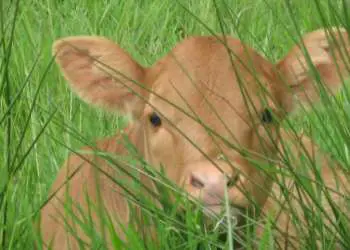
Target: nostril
{"type": "Point", "coordinates": [196, 183]}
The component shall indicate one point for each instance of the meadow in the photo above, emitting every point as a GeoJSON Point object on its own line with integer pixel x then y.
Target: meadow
{"type": "Point", "coordinates": [42, 121]}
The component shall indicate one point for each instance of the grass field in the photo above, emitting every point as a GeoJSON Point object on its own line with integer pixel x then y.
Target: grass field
{"type": "Point", "coordinates": [40, 118]}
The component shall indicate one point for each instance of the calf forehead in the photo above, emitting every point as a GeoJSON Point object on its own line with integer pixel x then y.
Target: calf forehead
{"type": "Point", "coordinates": [201, 74]}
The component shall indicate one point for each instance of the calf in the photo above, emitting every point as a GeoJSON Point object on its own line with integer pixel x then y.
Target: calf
{"type": "Point", "coordinates": [203, 114]}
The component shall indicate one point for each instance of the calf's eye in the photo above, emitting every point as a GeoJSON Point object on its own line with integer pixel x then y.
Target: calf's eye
{"type": "Point", "coordinates": [232, 181]}
{"type": "Point", "coordinates": [155, 120]}
{"type": "Point", "coordinates": [266, 116]}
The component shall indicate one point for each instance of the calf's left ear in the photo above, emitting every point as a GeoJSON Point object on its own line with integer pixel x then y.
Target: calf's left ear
{"type": "Point", "coordinates": [321, 53]}
{"type": "Point", "coordinates": [101, 73]}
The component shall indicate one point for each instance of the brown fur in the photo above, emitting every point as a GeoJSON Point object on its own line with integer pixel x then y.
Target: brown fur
{"type": "Point", "coordinates": [204, 81]}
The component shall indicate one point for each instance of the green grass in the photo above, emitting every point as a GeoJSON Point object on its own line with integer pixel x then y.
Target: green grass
{"type": "Point", "coordinates": [40, 118]}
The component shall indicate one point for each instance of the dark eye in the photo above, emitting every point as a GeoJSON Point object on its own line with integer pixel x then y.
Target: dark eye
{"type": "Point", "coordinates": [266, 116]}
{"type": "Point", "coordinates": [232, 181]}
{"type": "Point", "coordinates": [155, 120]}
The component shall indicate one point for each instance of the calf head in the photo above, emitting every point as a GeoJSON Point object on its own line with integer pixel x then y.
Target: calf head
{"type": "Point", "coordinates": [210, 108]}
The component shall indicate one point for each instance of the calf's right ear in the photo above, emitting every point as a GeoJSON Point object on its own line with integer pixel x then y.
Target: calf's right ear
{"type": "Point", "coordinates": [322, 54]}
{"type": "Point", "coordinates": [101, 73]}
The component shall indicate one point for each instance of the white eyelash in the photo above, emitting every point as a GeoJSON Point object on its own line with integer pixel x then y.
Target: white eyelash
{"type": "Point", "coordinates": [221, 157]}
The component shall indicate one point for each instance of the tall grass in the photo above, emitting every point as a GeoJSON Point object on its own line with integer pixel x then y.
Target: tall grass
{"type": "Point", "coordinates": [41, 121]}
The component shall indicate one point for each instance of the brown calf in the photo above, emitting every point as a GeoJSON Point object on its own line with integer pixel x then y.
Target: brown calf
{"type": "Point", "coordinates": [239, 96]}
